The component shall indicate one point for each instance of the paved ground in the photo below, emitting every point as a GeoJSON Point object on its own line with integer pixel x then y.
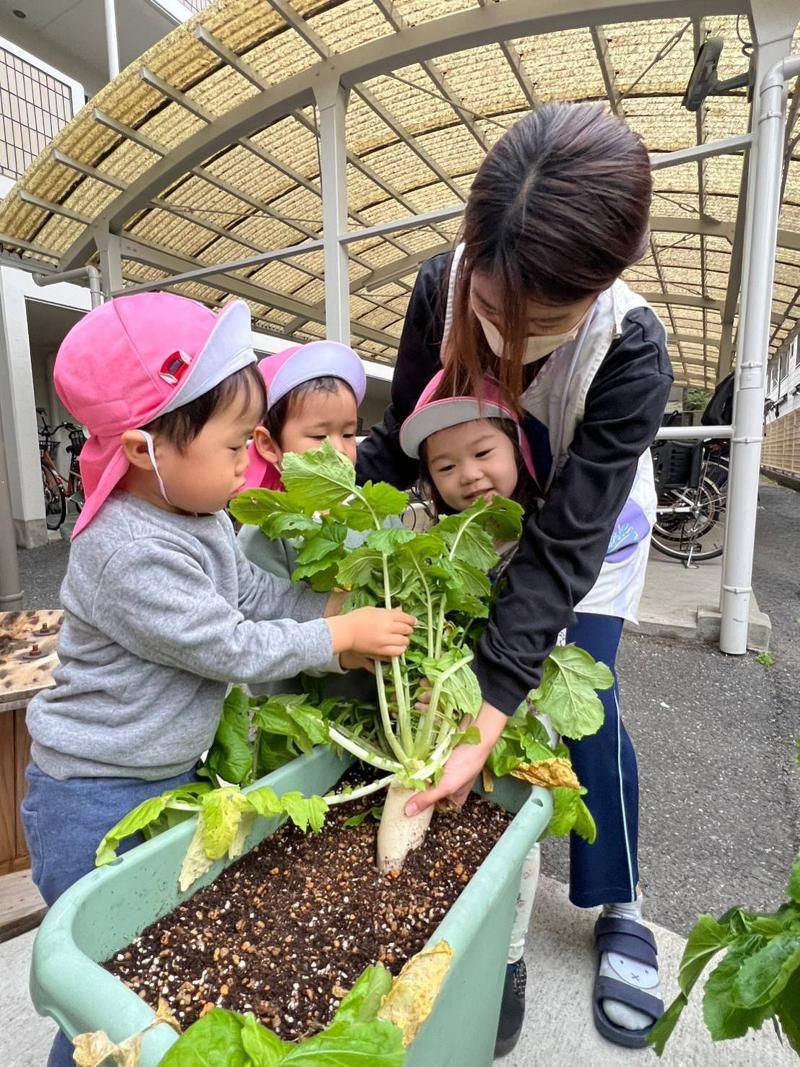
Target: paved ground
{"type": "Point", "coordinates": [720, 794]}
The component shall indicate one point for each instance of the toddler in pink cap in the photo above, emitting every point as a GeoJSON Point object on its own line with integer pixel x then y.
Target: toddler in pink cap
{"type": "Point", "coordinates": [313, 394]}
{"type": "Point", "coordinates": [161, 609]}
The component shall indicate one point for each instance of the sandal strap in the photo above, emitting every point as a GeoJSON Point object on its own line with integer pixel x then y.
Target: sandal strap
{"type": "Point", "coordinates": [628, 938]}
{"type": "Point", "coordinates": [607, 988]}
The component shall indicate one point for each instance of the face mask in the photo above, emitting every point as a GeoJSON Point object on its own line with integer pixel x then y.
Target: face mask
{"type": "Point", "coordinates": [536, 347]}
{"type": "Point", "coordinates": [152, 454]}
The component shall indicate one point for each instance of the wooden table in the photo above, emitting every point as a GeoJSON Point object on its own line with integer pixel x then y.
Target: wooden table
{"type": "Point", "coordinates": [27, 660]}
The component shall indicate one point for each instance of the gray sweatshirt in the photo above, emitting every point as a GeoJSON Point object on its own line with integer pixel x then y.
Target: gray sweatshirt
{"type": "Point", "coordinates": [161, 612]}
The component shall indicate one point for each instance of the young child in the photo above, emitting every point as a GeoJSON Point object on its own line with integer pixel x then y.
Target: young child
{"type": "Point", "coordinates": [161, 610]}
{"type": "Point", "coordinates": [313, 394]}
{"type": "Point", "coordinates": [470, 447]}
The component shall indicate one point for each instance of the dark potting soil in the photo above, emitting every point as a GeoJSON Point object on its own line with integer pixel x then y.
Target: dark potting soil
{"type": "Point", "coordinates": [286, 930]}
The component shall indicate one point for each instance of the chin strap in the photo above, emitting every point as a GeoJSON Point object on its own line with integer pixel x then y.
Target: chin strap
{"type": "Point", "coordinates": [152, 454]}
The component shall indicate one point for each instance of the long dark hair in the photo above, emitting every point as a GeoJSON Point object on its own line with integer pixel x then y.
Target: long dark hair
{"type": "Point", "coordinates": [558, 210]}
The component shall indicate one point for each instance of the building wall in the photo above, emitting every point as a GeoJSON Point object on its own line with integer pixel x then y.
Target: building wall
{"type": "Point", "coordinates": [781, 449]}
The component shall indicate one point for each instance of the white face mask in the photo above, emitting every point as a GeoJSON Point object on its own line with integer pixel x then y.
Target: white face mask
{"type": "Point", "coordinates": [535, 348]}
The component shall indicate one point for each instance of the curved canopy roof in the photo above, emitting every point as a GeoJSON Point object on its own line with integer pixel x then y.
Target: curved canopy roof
{"type": "Point", "coordinates": [206, 151]}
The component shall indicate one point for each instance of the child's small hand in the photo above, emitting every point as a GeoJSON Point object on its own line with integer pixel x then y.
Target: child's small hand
{"type": "Point", "coordinates": [355, 661]}
{"type": "Point", "coordinates": [375, 632]}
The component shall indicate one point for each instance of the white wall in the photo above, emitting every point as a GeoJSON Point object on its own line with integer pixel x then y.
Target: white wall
{"type": "Point", "coordinates": [783, 377]}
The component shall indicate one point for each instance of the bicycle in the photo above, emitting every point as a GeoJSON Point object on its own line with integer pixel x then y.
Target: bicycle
{"type": "Point", "coordinates": [57, 493]}
{"type": "Point", "coordinates": [692, 486]}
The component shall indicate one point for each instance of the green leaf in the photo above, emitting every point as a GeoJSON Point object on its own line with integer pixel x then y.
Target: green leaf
{"type": "Point", "coordinates": [705, 941]}
{"type": "Point", "coordinates": [567, 693]}
{"type": "Point", "coordinates": [263, 1046]}
{"type": "Point", "coordinates": [793, 889]}
{"type": "Point", "coordinates": [142, 815]}
{"type": "Point", "coordinates": [215, 1040]}
{"type": "Point", "coordinates": [320, 478]}
{"type": "Point", "coordinates": [231, 755]}
{"type": "Point", "coordinates": [305, 812]}
{"type": "Point", "coordinates": [385, 501]}
{"type": "Point", "coordinates": [327, 540]}
{"type": "Point", "coordinates": [359, 568]}
{"type": "Point", "coordinates": [356, 820]}
{"type": "Point", "coordinates": [470, 736]}
{"type": "Point", "coordinates": [662, 1030]}
{"type": "Point", "coordinates": [570, 813]}
{"type": "Point", "coordinates": [362, 1002]}
{"type": "Point", "coordinates": [763, 976]}
{"type": "Point", "coordinates": [220, 816]}
{"type": "Point", "coordinates": [459, 691]}
{"type": "Point", "coordinates": [265, 802]}
{"type": "Point", "coordinates": [371, 1044]}
{"type": "Point", "coordinates": [278, 513]}
{"type": "Point", "coordinates": [466, 539]}
{"type": "Point", "coordinates": [723, 1018]}
{"type": "Point", "coordinates": [389, 541]}
{"type": "Point", "coordinates": [788, 1011]}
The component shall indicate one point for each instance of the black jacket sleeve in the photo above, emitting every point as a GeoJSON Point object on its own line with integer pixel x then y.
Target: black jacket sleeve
{"type": "Point", "coordinates": [380, 457]}
{"type": "Point", "coordinates": [564, 543]}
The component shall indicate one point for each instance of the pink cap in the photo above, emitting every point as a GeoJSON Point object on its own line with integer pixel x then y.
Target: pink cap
{"type": "Point", "coordinates": [429, 416]}
{"type": "Point", "coordinates": [137, 357]}
{"type": "Point", "coordinates": [296, 366]}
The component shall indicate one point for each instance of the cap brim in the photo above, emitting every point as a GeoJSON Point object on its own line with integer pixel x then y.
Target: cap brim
{"type": "Point", "coordinates": [316, 360]}
{"type": "Point", "coordinates": [441, 415]}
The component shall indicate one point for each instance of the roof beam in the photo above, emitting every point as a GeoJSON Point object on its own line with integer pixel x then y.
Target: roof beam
{"type": "Point", "coordinates": [299, 24]}
{"type": "Point", "coordinates": [464, 115]}
{"type": "Point", "coordinates": [178, 266]}
{"type": "Point", "coordinates": [461, 30]}
{"type": "Point", "coordinates": [600, 42]}
{"type": "Point", "coordinates": [514, 60]}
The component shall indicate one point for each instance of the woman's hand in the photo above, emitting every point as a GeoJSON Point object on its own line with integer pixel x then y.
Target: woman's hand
{"type": "Point", "coordinates": [464, 765]}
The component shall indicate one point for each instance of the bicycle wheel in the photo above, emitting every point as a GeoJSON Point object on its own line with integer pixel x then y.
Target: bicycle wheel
{"type": "Point", "coordinates": [55, 503]}
{"type": "Point", "coordinates": [77, 497]}
{"type": "Point", "coordinates": [690, 523]}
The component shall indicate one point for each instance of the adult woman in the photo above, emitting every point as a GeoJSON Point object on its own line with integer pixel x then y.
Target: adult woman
{"type": "Point", "coordinates": [558, 210]}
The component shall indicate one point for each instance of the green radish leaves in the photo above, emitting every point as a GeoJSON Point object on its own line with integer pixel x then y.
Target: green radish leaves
{"type": "Point", "coordinates": [757, 979]}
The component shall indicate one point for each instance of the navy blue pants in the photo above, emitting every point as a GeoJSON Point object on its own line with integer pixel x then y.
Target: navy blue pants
{"type": "Point", "coordinates": [606, 872]}
{"type": "Point", "coordinates": [64, 823]}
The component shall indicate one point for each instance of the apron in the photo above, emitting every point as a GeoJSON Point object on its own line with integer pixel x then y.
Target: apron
{"type": "Point", "coordinates": [555, 403]}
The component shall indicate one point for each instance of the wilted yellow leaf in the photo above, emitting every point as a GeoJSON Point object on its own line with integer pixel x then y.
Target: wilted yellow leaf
{"type": "Point", "coordinates": [164, 1015]}
{"type": "Point", "coordinates": [411, 998]}
{"type": "Point", "coordinates": [488, 780]}
{"type": "Point", "coordinates": [98, 1050]}
{"type": "Point", "coordinates": [550, 773]}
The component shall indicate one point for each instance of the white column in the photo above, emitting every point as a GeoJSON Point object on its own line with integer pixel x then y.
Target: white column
{"type": "Point", "coordinates": [332, 104]}
{"type": "Point", "coordinates": [112, 50]}
{"type": "Point", "coordinates": [18, 413]}
{"type": "Point", "coordinates": [773, 35]}
{"type": "Point", "coordinates": [109, 247]}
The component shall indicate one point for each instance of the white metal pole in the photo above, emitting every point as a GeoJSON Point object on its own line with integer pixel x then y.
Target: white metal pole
{"type": "Point", "coordinates": [332, 103]}
{"type": "Point", "coordinates": [752, 350]}
{"type": "Point", "coordinates": [112, 50]}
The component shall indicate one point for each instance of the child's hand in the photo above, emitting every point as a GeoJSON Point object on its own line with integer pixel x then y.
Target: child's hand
{"type": "Point", "coordinates": [355, 661]}
{"type": "Point", "coordinates": [375, 632]}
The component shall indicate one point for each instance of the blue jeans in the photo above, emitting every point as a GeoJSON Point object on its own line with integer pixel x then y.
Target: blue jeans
{"type": "Point", "coordinates": [606, 872]}
{"type": "Point", "coordinates": [64, 823]}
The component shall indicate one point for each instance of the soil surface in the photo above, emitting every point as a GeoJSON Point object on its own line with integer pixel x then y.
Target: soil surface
{"type": "Point", "coordinates": [286, 930]}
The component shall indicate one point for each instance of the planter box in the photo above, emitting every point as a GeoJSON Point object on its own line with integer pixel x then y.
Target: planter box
{"type": "Point", "coordinates": [109, 907]}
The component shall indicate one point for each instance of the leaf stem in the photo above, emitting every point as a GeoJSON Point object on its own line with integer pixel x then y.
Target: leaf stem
{"type": "Point", "coordinates": [362, 791]}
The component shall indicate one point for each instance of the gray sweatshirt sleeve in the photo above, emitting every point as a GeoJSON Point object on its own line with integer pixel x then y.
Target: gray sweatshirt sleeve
{"type": "Point", "coordinates": [158, 603]}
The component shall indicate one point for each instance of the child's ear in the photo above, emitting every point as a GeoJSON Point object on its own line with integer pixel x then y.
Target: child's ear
{"type": "Point", "coordinates": [134, 446]}
{"type": "Point", "coordinates": [266, 446]}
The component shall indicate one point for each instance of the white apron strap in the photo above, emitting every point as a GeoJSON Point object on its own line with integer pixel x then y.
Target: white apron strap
{"type": "Point", "coordinates": [451, 289]}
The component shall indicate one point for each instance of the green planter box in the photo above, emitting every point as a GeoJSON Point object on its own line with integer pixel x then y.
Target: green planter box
{"type": "Point", "coordinates": [111, 906]}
